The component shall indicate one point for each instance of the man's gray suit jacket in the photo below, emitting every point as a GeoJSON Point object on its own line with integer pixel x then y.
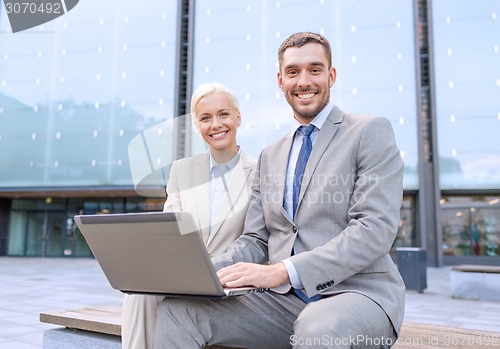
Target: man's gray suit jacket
{"type": "Point", "coordinates": [347, 215]}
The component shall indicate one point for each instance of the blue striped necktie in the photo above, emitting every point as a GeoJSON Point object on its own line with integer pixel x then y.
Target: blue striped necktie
{"type": "Point", "coordinates": [305, 151]}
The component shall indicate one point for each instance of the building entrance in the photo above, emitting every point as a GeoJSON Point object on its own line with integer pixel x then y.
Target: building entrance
{"type": "Point", "coordinates": [45, 228]}
{"type": "Point", "coordinates": [37, 233]}
{"type": "Point", "coordinates": [44, 234]}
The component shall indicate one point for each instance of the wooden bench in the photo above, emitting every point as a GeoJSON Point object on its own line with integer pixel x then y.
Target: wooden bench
{"type": "Point", "coordinates": [90, 327]}
{"type": "Point", "coordinates": [476, 282]}
{"type": "Point", "coordinates": [104, 323]}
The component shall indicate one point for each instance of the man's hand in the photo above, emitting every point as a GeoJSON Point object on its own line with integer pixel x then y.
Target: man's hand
{"type": "Point", "coordinates": [251, 274]}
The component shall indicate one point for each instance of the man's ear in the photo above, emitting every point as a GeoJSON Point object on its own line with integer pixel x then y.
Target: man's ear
{"type": "Point", "coordinates": [333, 76]}
{"type": "Point", "coordinates": [280, 81]}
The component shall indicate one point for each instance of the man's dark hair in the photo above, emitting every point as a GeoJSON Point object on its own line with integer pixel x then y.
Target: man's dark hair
{"type": "Point", "coordinates": [300, 39]}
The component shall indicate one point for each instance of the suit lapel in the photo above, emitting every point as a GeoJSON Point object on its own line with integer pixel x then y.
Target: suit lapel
{"type": "Point", "coordinates": [284, 153]}
{"type": "Point", "coordinates": [325, 137]}
{"type": "Point", "coordinates": [202, 198]}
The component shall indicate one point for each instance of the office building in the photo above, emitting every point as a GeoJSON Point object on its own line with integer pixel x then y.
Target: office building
{"type": "Point", "coordinates": [92, 107]}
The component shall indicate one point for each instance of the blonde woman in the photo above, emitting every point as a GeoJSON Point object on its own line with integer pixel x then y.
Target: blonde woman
{"type": "Point", "coordinates": [214, 187]}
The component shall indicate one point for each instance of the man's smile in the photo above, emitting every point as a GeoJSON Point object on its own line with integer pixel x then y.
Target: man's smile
{"type": "Point", "coordinates": [305, 95]}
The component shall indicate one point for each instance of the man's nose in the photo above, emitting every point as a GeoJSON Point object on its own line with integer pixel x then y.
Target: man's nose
{"type": "Point", "coordinates": [304, 79]}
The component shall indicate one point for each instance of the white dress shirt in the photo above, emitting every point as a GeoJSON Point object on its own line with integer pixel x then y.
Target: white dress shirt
{"type": "Point", "coordinates": [220, 175]}
{"type": "Point", "coordinates": [318, 122]}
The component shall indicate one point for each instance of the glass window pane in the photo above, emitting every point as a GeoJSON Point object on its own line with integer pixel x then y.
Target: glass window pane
{"type": "Point", "coordinates": [374, 57]}
{"type": "Point", "coordinates": [467, 61]}
{"type": "Point", "coordinates": [35, 233]}
{"type": "Point", "coordinates": [55, 231]}
{"type": "Point", "coordinates": [76, 90]}
{"type": "Point", "coordinates": [17, 224]}
{"type": "Point", "coordinates": [406, 236]}
{"type": "Point", "coordinates": [471, 225]}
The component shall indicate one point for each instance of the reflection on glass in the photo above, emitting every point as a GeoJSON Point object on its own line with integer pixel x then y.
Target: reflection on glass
{"type": "Point", "coordinates": [55, 230]}
{"type": "Point", "coordinates": [38, 229]}
{"type": "Point", "coordinates": [76, 90]}
{"type": "Point", "coordinates": [406, 236]}
{"type": "Point", "coordinates": [471, 226]}
{"type": "Point", "coordinates": [35, 234]}
{"type": "Point", "coordinates": [17, 222]}
{"type": "Point", "coordinates": [374, 57]}
{"type": "Point", "coordinates": [466, 35]}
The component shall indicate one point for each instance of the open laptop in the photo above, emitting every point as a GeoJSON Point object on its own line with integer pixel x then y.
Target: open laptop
{"type": "Point", "coordinates": [159, 253]}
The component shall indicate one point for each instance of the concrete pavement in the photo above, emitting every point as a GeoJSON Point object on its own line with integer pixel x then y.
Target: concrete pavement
{"type": "Point", "coordinates": [31, 285]}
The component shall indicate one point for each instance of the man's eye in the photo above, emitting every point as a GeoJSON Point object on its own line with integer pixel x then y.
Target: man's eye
{"type": "Point", "coordinates": [292, 72]}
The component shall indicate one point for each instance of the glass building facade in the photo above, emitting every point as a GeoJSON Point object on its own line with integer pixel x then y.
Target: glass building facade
{"type": "Point", "coordinates": [89, 105]}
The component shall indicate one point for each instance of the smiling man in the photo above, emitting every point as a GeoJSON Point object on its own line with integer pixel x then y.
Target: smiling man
{"type": "Point", "coordinates": [306, 80]}
{"type": "Point", "coordinates": [319, 243]}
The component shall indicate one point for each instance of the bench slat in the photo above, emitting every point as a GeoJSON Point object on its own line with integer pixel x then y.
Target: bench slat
{"type": "Point", "coordinates": [415, 335]}
{"type": "Point", "coordinates": [494, 269]}
{"type": "Point", "coordinates": [105, 320]}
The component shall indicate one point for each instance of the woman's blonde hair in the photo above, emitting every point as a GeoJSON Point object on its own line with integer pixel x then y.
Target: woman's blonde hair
{"type": "Point", "coordinates": [207, 89]}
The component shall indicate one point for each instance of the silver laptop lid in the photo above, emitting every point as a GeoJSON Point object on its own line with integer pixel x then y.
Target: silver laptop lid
{"type": "Point", "coordinates": [153, 252]}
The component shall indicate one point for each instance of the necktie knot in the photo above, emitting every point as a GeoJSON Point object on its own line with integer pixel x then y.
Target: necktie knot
{"type": "Point", "coordinates": [307, 130]}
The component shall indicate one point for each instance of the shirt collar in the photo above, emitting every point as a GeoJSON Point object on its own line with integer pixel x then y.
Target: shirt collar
{"type": "Point", "coordinates": [317, 121]}
{"type": "Point", "coordinates": [231, 163]}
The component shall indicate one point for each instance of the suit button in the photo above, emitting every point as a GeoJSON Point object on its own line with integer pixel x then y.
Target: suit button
{"type": "Point", "coordinates": [294, 229]}
{"type": "Point", "coordinates": [323, 286]}
{"type": "Point", "coordinates": [318, 287]}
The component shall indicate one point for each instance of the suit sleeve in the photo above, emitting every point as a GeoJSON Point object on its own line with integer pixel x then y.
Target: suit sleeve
{"type": "Point", "coordinates": [373, 215]}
